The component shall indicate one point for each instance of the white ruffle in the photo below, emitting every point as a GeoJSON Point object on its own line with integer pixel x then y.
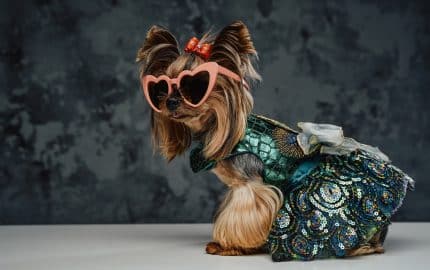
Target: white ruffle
{"type": "Point", "coordinates": [331, 141]}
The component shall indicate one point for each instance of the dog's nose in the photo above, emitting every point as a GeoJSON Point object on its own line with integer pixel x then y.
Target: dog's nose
{"type": "Point", "coordinates": [172, 103]}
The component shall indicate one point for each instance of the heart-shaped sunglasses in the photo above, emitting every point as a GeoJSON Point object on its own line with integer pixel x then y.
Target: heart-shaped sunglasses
{"type": "Point", "coordinates": [194, 85]}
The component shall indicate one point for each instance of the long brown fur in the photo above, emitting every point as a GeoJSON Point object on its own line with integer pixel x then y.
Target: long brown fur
{"type": "Point", "coordinates": [158, 52]}
{"type": "Point", "coordinates": [245, 216]}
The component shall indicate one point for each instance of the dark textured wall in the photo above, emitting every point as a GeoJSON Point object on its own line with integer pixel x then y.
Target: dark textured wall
{"type": "Point", "coordinates": [75, 144]}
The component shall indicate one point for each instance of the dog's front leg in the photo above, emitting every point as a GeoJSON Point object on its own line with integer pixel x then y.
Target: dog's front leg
{"type": "Point", "coordinates": [245, 217]}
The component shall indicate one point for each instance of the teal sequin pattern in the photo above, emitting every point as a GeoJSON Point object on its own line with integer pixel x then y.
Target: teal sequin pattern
{"type": "Point", "coordinates": [337, 206]}
{"type": "Point", "coordinates": [275, 146]}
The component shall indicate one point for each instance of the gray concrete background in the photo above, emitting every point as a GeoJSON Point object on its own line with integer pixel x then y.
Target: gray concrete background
{"type": "Point", "coordinates": [75, 144]}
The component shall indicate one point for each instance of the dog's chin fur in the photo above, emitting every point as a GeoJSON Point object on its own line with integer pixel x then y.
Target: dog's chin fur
{"type": "Point", "coordinates": [245, 217]}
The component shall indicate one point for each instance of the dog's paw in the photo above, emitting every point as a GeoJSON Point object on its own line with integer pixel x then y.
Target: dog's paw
{"type": "Point", "coordinates": [216, 249]}
{"type": "Point", "coordinates": [213, 248]}
{"type": "Point", "coordinates": [379, 249]}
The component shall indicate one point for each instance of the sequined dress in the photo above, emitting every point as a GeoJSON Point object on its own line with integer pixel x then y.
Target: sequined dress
{"type": "Point", "coordinates": [337, 192]}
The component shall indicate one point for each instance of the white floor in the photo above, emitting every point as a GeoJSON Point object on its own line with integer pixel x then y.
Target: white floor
{"type": "Point", "coordinates": [179, 247]}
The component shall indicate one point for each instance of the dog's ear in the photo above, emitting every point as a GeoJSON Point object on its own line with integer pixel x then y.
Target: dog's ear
{"type": "Point", "coordinates": [233, 49]}
{"type": "Point", "coordinates": [158, 51]}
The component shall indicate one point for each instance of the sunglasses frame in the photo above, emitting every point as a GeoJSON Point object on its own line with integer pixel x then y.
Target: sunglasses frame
{"type": "Point", "coordinates": [211, 67]}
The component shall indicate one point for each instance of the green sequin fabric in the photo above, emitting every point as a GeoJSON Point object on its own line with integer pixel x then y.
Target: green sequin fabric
{"type": "Point", "coordinates": [332, 203]}
{"type": "Point", "coordinates": [274, 143]}
{"type": "Point", "coordinates": [338, 206]}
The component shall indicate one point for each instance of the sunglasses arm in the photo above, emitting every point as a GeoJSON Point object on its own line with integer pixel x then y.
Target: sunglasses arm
{"type": "Point", "coordinates": [234, 76]}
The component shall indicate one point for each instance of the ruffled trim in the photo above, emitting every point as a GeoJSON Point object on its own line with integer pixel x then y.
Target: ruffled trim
{"type": "Point", "coordinates": [329, 139]}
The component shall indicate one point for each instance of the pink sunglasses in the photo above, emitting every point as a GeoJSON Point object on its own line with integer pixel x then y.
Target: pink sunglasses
{"type": "Point", "coordinates": [194, 85]}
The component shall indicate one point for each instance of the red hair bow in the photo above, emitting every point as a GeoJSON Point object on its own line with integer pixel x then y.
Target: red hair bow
{"type": "Point", "coordinates": [202, 50]}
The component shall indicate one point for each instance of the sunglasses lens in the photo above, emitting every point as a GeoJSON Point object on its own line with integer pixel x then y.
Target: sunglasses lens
{"type": "Point", "coordinates": [193, 88]}
{"type": "Point", "coordinates": [157, 91]}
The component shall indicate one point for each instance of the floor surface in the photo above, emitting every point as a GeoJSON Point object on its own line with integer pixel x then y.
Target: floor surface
{"type": "Point", "coordinates": [168, 246]}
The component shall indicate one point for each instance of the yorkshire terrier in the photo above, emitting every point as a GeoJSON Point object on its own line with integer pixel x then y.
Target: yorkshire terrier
{"type": "Point", "coordinates": [294, 194]}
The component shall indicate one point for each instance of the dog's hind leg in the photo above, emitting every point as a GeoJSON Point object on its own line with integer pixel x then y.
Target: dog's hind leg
{"type": "Point", "coordinates": [364, 250]}
{"type": "Point", "coordinates": [374, 246]}
{"type": "Point", "coordinates": [378, 240]}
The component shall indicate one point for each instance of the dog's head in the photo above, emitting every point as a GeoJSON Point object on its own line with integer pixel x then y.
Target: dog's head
{"type": "Point", "coordinates": [191, 93]}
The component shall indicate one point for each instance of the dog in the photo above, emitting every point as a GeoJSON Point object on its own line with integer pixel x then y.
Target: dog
{"type": "Point", "coordinates": [299, 195]}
